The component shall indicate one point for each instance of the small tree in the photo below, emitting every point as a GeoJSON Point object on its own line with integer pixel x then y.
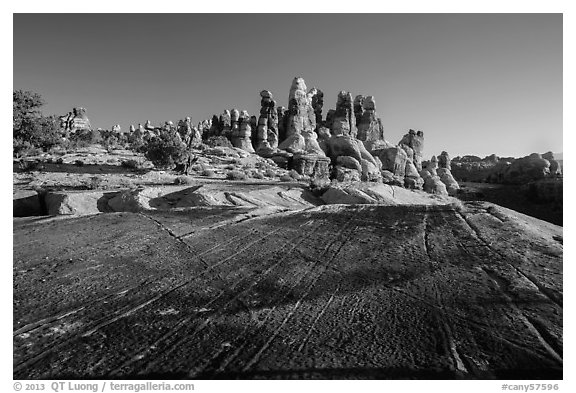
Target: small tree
{"type": "Point", "coordinates": [30, 128]}
{"type": "Point", "coordinates": [166, 150]}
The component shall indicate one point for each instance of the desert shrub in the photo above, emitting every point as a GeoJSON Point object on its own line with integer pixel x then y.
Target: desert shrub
{"type": "Point", "coordinates": [197, 168]}
{"type": "Point", "coordinates": [28, 166]}
{"type": "Point", "coordinates": [214, 141]}
{"type": "Point", "coordinates": [319, 186]}
{"type": "Point", "coordinates": [166, 151]}
{"type": "Point", "coordinates": [131, 164]}
{"type": "Point", "coordinates": [110, 142]}
{"type": "Point", "coordinates": [184, 180]}
{"type": "Point", "coordinates": [208, 172]}
{"type": "Point", "coordinates": [136, 142]}
{"type": "Point", "coordinates": [24, 148]}
{"type": "Point", "coordinates": [85, 138]}
{"type": "Point", "coordinates": [257, 175]}
{"type": "Point", "coordinates": [94, 183]}
{"type": "Point", "coordinates": [294, 175]}
{"type": "Point", "coordinates": [236, 175]}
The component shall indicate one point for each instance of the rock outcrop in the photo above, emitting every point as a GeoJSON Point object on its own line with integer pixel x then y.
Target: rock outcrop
{"type": "Point", "coordinates": [242, 133]}
{"type": "Point", "coordinates": [415, 140]}
{"type": "Point", "coordinates": [225, 123]}
{"type": "Point", "coordinates": [369, 125]}
{"type": "Point", "coordinates": [300, 117]}
{"type": "Point", "coordinates": [75, 121]}
{"type": "Point", "coordinates": [343, 120]}
{"type": "Point", "coordinates": [440, 167]}
{"type": "Point", "coordinates": [267, 131]}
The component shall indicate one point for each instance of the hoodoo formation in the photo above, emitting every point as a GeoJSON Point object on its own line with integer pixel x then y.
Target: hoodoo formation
{"type": "Point", "coordinates": [292, 243]}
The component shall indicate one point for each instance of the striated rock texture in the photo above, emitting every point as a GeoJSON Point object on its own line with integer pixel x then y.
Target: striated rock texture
{"type": "Point", "coordinates": [75, 121]}
{"type": "Point", "coordinates": [479, 283]}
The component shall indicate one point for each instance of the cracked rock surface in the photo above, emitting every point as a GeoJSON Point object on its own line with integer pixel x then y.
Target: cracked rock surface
{"type": "Point", "coordinates": [333, 291]}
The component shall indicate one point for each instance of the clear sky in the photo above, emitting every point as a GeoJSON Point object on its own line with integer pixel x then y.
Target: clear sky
{"type": "Point", "coordinates": [474, 83]}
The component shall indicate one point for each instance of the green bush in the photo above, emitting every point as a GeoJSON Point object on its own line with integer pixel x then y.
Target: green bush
{"type": "Point", "coordinates": [236, 175]}
{"type": "Point", "coordinates": [30, 128]}
{"type": "Point", "coordinates": [184, 180]}
{"type": "Point", "coordinates": [166, 151]}
{"type": "Point", "coordinates": [257, 175]}
{"type": "Point", "coordinates": [208, 172]}
{"type": "Point", "coordinates": [84, 138]}
{"type": "Point", "coordinates": [131, 164]}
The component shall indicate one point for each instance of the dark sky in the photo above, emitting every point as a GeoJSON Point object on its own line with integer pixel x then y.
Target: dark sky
{"type": "Point", "coordinates": [474, 83]}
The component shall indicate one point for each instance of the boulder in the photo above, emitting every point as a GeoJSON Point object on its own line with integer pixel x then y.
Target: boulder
{"type": "Point", "coordinates": [26, 203]}
{"type": "Point", "coordinates": [343, 174]}
{"type": "Point", "coordinates": [343, 145]}
{"type": "Point", "coordinates": [373, 145]}
{"type": "Point", "coordinates": [349, 162]}
{"type": "Point", "coordinates": [380, 194]}
{"type": "Point", "coordinates": [433, 184]}
{"type": "Point", "coordinates": [394, 160]}
{"type": "Point", "coordinates": [311, 145]}
{"type": "Point", "coordinates": [412, 179]}
{"type": "Point", "coordinates": [444, 160]}
{"type": "Point", "coordinates": [135, 200]}
{"type": "Point", "coordinates": [370, 172]}
{"type": "Point", "coordinates": [75, 121]}
{"type": "Point", "coordinates": [413, 183]}
{"type": "Point", "coordinates": [415, 140]}
{"type": "Point", "coordinates": [312, 165]}
{"type": "Point", "coordinates": [446, 177]}
{"type": "Point", "coordinates": [294, 143]}
{"type": "Point", "coordinates": [364, 153]}
{"type": "Point", "coordinates": [76, 202]}
{"type": "Point", "coordinates": [391, 179]}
